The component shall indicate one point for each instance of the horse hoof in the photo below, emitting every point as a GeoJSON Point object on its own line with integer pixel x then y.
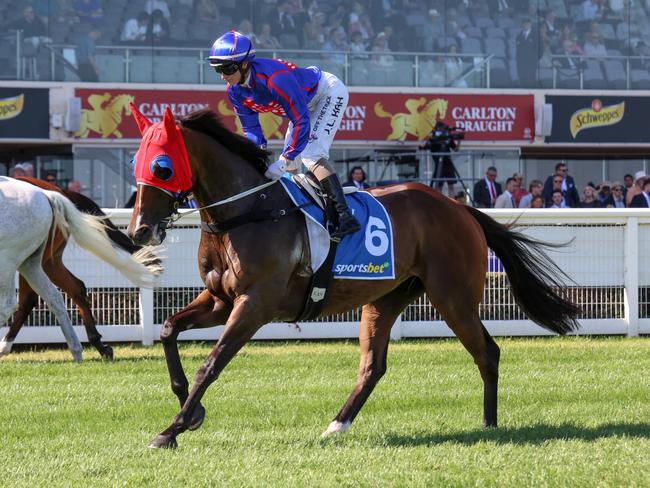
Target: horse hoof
{"type": "Point", "coordinates": [163, 441]}
{"type": "Point", "coordinates": [197, 418]}
{"type": "Point", "coordinates": [107, 353]}
{"type": "Point", "coordinates": [5, 347]}
{"type": "Point", "coordinates": [77, 355]}
{"type": "Point", "coordinates": [336, 427]}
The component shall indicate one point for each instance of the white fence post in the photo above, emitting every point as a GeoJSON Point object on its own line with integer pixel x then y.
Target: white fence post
{"type": "Point", "coordinates": [631, 276]}
{"type": "Point", "coordinates": [146, 316]}
{"type": "Point", "coordinates": [396, 331]}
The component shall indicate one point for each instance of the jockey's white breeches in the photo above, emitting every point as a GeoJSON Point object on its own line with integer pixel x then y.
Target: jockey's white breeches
{"type": "Point", "coordinates": [326, 111]}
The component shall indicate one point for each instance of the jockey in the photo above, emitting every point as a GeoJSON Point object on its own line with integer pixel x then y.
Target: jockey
{"type": "Point", "coordinates": [313, 100]}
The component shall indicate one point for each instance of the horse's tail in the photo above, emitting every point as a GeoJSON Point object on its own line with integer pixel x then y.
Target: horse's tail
{"type": "Point", "coordinates": [89, 232]}
{"type": "Point", "coordinates": [88, 206]}
{"type": "Point", "coordinates": [534, 277]}
{"type": "Point", "coordinates": [380, 112]}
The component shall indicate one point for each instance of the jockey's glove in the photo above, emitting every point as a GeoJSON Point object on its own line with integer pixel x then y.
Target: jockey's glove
{"type": "Point", "coordinates": [276, 170]}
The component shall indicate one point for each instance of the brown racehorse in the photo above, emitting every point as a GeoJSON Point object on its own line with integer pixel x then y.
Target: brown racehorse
{"type": "Point", "coordinates": [258, 272]}
{"type": "Point", "coordinates": [61, 276]}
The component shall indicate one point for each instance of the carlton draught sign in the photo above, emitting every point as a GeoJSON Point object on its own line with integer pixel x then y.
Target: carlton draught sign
{"type": "Point", "coordinates": [369, 117]}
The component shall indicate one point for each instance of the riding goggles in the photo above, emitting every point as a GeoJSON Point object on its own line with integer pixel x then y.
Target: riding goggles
{"type": "Point", "coordinates": [226, 68]}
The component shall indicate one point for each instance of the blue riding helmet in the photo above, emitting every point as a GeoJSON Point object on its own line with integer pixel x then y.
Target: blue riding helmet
{"type": "Point", "coordinates": [232, 47]}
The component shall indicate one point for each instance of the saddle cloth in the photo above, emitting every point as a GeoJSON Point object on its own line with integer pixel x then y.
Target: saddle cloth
{"type": "Point", "coordinates": [365, 255]}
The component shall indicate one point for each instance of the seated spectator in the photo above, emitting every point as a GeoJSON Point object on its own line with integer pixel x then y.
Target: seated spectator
{"type": "Point", "coordinates": [557, 201]}
{"type": "Point", "coordinates": [136, 29]}
{"type": "Point", "coordinates": [570, 59]}
{"type": "Point", "coordinates": [335, 23]}
{"type": "Point", "coordinates": [534, 190]}
{"type": "Point", "coordinates": [637, 188]}
{"type": "Point", "coordinates": [454, 30]}
{"type": "Point", "coordinates": [336, 47]}
{"type": "Point", "coordinates": [313, 40]}
{"type": "Point", "coordinates": [358, 47]}
{"type": "Point", "coordinates": [537, 202]}
{"type": "Point", "coordinates": [506, 199]}
{"type": "Point", "coordinates": [266, 40]}
{"type": "Point", "coordinates": [628, 182]}
{"type": "Point", "coordinates": [380, 50]}
{"type": "Point", "coordinates": [593, 46]}
{"type": "Point", "coordinates": [89, 11]}
{"type": "Point", "coordinates": [158, 28]}
{"type": "Point", "coordinates": [641, 49]}
{"type": "Point", "coordinates": [617, 197]}
{"type": "Point", "coordinates": [589, 199]}
{"type": "Point", "coordinates": [605, 191]}
{"type": "Point", "coordinates": [150, 6]}
{"type": "Point", "coordinates": [487, 190]}
{"type": "Point", "coordinates": [246, 28]}
{"type": "Point", "coordinates": [357, 178]}
{"type": "Point", "coordinates": [206, 11]}
{"type": "Point", "coordinates": [642, 200]}
{"type": "Point", "coordinates": [566, 185]}
{"type": "Point", "coordinates": [546, 60]}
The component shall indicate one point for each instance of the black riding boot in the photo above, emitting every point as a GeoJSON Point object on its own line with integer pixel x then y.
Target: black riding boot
{"type": "Point", "coordinates": [347, 222]}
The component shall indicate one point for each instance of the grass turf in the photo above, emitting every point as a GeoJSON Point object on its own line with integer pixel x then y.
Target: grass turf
{"type": "Point", "coordinates": [573, 412]}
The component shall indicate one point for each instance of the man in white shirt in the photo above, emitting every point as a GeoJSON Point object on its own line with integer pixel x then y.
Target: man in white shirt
{"type": "Point", "coordinates": [557, 200]}
{"type": "Point", "coordinates": [136, 29]}
{"type": "Point", "coordinates": [506, 199]}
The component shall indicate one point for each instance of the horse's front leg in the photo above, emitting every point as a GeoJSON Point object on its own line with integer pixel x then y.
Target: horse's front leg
{"type": "Point", "coordinates": [246, 318]}
{"type": "Point", "coordinates": [204, 311]}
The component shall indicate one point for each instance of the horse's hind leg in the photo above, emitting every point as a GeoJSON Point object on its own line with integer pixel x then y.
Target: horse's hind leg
{"type": "Point", "coordinates": [76, 289]}
{"type": "Point", "coordinates": [27, 300]}
{"type": "Point", "coordinates": [7, 306]}
{"type": "Point", "coordinates": [464, 320]}
{"type": "Point", "coordinates": [376, 321]}
{"type": "Point", "coordinates": [33, 272]}
{"type": "Point", "coordinates": [204, 311]}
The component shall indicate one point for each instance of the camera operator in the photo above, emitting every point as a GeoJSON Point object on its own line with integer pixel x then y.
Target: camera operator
{"type": "Point", "coordinates": [443, 139]}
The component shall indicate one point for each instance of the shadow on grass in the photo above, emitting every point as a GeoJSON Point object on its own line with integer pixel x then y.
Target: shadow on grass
{"type": "Point", "coordinates": [534, 434]}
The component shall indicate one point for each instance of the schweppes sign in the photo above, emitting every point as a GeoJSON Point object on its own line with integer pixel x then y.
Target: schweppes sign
{"type": "Point", "coordinates": [596, 116]}
{"type": "Point", "coordinates": [11, 107]}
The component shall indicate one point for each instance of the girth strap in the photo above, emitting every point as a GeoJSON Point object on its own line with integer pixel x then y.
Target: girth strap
{"type": "Point", "coordinates": [247, 218]}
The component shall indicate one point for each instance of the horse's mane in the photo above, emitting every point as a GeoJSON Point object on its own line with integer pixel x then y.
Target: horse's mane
{"type": "Point", "coordinates": [208, 122]}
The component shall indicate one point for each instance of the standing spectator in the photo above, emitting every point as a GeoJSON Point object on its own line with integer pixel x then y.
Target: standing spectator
{"type": "Point", "coordinates": [589, 199]}
{"type": "Point", "coordinates": [51, 178]}
{"type": "Point", "coordinates": [527, 55]}
{"type": "Point", "coordinates": [628, 182]}
{"type": "Point", "coordinates": [357, 178]}
{"type": "Point", "coordinates": [136, 29]}
{"type": "Point", "coordinates": [506, 199]}
{"type": "Point", "coordinates": [158, 29]}
{"type": "Point", "coordinates": [22, 169]}
{"type": "Point", "coordinates": [150, 6]}
{"type": "Point", "coordinates": [89, 11]}
{"type": "Point", "coordinates": [590, 10]}
{"type": "Point", "coordinates": [74, 185]}
{"type": "Point", "coordinates": [382, 58]}
{"type": "Point", "coordinates": [534, 190]}
{"type": "Point", "coordinates": [86, 65]}
{"type": "Point", "coordinates": [441, 144]}
{"type": "Point", "coordinates": [31, 25]}
{"type": "Point", "coordinates": [313, 40]}
{"type": "Point", "coordinates": [605, 191]}
{"type": "Point", "coordinates": [432, 31]}
{"type": "Point", "coordinates": [557, 201]}
{"type": "Point", "coordinates": [567, 186]}
{"type": "Point", "coordinates": [266, 40]}
{"type": "Point", "coordinates": [642, 200]}
{"type": "Point", "coordinates": [521, 191]}
{"type": "Point", "coordinates": [487, 190]}
{"type": "Point", "coordinates": [549, 20]}
{"type": "Point", "coordinates": [637, 188]}
{"type": "Point", "coordinates": [283, 22]}
{"type": "Point", "coordinates": [537, 202]}
{"type": "Point", "coordinates": [617, 198]}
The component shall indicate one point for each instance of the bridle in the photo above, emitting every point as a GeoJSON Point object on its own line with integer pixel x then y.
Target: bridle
{"type": "Point", "coordinates": [180, 198]}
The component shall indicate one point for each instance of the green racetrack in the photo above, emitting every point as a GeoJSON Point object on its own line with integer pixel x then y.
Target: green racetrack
{"type": "Point", "coordinates": [572, 412]}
